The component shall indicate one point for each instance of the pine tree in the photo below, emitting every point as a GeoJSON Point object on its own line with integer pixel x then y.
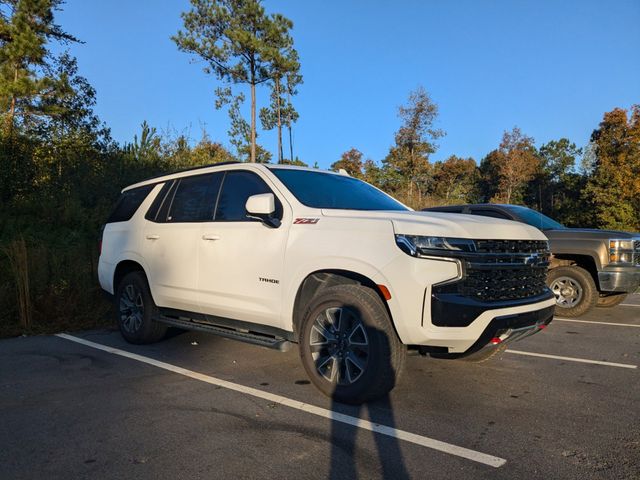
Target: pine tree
{"type": "Point", "coordinates": [285, 79]}
{"type": "Point", "coordinates": [239, 42]}
{"type": "Point", "coordinates": [26, 28]}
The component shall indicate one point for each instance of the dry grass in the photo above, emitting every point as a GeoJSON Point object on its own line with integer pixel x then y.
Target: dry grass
{"type": "Point", "coordinates": [16, 252]}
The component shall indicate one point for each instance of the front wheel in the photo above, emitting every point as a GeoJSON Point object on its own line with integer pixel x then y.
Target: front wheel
{"type": "Point", "coordinates": [574, 289]}
{"type": "Point", "coordinates": [135, 310]}
{"type": "Point", "coordinates": [611, 300]}
{"type": "Point", "coordinates": [348, 345]}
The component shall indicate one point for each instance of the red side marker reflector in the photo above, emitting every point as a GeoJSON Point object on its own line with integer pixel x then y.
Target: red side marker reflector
{"type": "Point", "coordinates": [495, 341]}
{"type": "Point", "coordinates": [542, 327]}
{"type": "Point", "coordinates": [385, 292]}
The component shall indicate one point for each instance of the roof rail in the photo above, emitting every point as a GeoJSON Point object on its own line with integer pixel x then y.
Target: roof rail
{"type": "Point", "coordinates": [182, 170]}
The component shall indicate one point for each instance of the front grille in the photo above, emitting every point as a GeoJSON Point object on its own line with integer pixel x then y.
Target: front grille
{"type": "Point", "coordinates": [636, 252]}
{"type": "Point", "coordinates": [495, 284]}
{"type": "Point", "coordinates": [505, 270]}
{"type": "Point", "coordinates": [512, 246]}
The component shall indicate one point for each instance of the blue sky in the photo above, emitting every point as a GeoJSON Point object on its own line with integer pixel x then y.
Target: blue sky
{"type": "Point", "coordinates": [550, 67]}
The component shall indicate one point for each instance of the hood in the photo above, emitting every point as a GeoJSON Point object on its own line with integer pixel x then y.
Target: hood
{"type": "Point", "coordinates": [589, 233]}
{"type": "Point", "coordinates": [440, 224]}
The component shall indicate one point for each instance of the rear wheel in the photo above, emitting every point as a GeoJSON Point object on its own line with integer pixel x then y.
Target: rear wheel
{"type": "Point", "coordinates": [135, 311]}
{"type": "Point", "coordinates": [574, 289]}
{"type": "Point", "coordinates": [610, 300]}
{"type": "Point", "coordinates": [348, 345]}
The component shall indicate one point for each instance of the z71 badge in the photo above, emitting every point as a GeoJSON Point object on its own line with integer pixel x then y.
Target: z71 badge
{"type": "Point", "coordinates": [309, 221]}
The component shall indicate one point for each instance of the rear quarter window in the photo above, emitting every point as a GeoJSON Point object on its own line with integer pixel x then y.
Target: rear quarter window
{"type": "Point", "coordinates": [128, 204]}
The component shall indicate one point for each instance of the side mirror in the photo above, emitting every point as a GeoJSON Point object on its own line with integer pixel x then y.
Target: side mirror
{"type": "Point", "coordinates": [262, 207]}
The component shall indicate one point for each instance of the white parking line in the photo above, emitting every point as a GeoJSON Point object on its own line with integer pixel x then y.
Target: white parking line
{"type": "Point", "coordinates": [573, 359]}
{"type": "Point", "coordinates": [305, 407]}
{"type": "Point", "coordinates": [598, 323]}
{"type": "Point", "coordinates": [629, 305]}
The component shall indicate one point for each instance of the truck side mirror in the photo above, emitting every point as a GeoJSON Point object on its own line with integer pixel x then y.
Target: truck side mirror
{"type": "Point", "coordinates": [262, 207]}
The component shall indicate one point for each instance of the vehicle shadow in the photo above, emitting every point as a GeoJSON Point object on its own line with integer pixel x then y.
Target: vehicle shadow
{"type": "Point", "coordinates": [348, 459]}
{"type": "Point", "coordinates": [345, 457]}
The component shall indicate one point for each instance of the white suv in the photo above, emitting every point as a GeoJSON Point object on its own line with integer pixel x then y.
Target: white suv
{"type": "Point", "coordinates": [275, 255]}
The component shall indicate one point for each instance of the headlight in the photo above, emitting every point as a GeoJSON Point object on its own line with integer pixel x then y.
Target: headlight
{"type": "Point", "coordinates": [621, 251]}
{"type": "Point", "coordinates": [417, 245]}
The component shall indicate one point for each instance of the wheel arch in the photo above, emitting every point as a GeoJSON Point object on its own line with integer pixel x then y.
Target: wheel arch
{"type": "Point", "coordinates": [321, 279]}
{"type": "Point", "coordinates": [587, 262]}
{"type": "Point", "coordinates": [123, 268]}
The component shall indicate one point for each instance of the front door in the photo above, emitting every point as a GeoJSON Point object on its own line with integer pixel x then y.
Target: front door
{"type": "Point", "coordinates": [241, 259]}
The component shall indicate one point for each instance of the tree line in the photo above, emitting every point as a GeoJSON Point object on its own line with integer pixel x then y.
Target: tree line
{"type": "Point", "coordinates": [597, 185]}
{"type": "Point", "coordinates": [61, 171]}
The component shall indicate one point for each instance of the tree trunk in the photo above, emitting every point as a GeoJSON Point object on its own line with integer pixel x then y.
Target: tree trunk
{"type": "Point", "coordinates": [279, 120]}
{"type": "Point", "coordinates": [12, 108]}
{"type": "Point", "coordinates": [289, 125]}
{"type": "Point", "coordinates": [253, 120]}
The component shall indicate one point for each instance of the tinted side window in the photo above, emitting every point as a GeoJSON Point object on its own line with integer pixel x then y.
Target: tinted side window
{"type": "Point", "coordinates": [128, 203]}
{"type": "Point", "coordinates": [237, 187]}
{"type": "Point", "coordinates": [152, 213]}
{"type": "Point", "coordinates": [490, 213]}
{"type": "Point", "coordinates": [195, 198]}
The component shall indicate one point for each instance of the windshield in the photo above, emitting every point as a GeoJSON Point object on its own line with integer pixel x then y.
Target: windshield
{"type": "Point", "coordinates": [326, 190]}
{"type": "Point", "coordinates": [536, 219]}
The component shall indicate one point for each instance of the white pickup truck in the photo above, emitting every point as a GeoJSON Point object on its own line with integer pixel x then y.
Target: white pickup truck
{"type": "Point", "coordinates": [275, 255]}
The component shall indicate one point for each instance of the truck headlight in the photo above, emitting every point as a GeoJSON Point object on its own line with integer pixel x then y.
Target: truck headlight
{"type": "Point", "coordinates": [418, 245]}
{"type": "Point", "coordinates": [621, 251]}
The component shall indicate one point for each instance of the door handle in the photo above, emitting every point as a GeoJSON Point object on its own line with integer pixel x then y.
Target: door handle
{"type": "Point", "coordinates": [210, 237]}
{"type": "Point", "coordinates": [152, 237]}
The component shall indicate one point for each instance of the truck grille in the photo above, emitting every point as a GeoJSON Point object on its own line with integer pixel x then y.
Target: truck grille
{"type": "Point", "coordinates": [512, 246]}
{"type": "Point", "coordinates": [636, 252]}
{"type": "Point", "coordinates": [505, 270]}
{"type": "Point", "coordinates": [490, 285]}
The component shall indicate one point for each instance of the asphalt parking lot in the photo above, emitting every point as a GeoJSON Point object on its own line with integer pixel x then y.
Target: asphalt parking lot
{"type": "Point", "coordinates": [561, 404]}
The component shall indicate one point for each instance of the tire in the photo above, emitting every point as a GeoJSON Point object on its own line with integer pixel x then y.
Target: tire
{"type": "Point", "coordinates": [611, 300]}
{"type": "Point", "coordinates": [574, 289]}
{"type": "Point", "coordinates": [348, 345]}
{"type": "Point", "coordinates": [135, 310]}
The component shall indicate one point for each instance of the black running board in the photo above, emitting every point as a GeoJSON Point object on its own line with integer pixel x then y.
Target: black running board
{"type": "Point", "coordinates": [275, 343]}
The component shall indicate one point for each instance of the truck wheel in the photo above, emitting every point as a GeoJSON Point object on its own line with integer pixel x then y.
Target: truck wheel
{"type": "Point", "coordinates": [348, 345]}
{"type": "Point", "coordinates": [574, 289]}
{"type": "Point", "coordinates": [135, 311]}
{"type": "Point", "coordinates": [607, 301]}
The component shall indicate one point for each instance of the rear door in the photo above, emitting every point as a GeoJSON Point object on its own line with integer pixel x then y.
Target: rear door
{"type": "Point", "coordinates": [241, 259]}
{"type": "Point", "coordinates": [172, 237]}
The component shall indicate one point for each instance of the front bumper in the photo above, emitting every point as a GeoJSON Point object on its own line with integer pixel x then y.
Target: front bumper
{"type": "Point", "coordinates": [620, 280]}
{"type": "Point", "coordinates": [452, 310]}
{"type": "Point", "coordinates": [510, 328]}
{"type": "Point", "coordinates": [462, 339]}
